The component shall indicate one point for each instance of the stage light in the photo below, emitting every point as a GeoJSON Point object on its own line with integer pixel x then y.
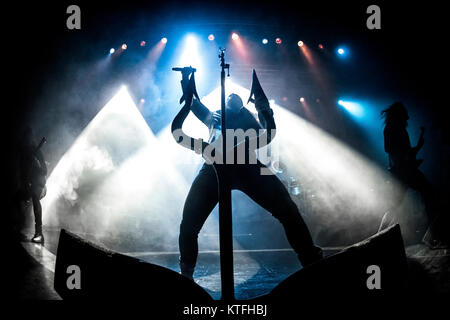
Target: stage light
{"type": "Point", "coordinates": [211, 37]}
{"type": "Point", "coordinates": [142, 101]}
{"type": "Point", "coordinates": [284, 99]}
{"type": "Point", "coordinates": [235, 36]}
{"type": "Point", "coordinates": [300, 43]}
{"type": "Point", "coordinates": [143, 43]}
{"type": "Point", "coordinates": [352, 107]}
{"type": "Point", "coordinates": [320, 46]}
{"type": "Point", "coordinates": [124, 47]}
{"type": "Point", "coordinates": [164, 40]}
{"type": "Point", "coordinates": [318, 100]}
{"type": "Point", "coordinates": [115, 148]}
{"type": "Point", "coordinates": [111, 51]}
{"type": "Point", "coordinates": [302, 99]}
{"type": "Point", "coordinates": [278, 41]}
{"type": "Point", "coordinates": [265, 41]}
{"type": "Point", "coordinates": [342, 52]}
{"type": "Point", "coordinates": [191, 56]}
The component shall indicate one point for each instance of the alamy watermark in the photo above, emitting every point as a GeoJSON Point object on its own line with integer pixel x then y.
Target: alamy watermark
{"type": "Point", "coordinates": [74, 20]}
{"type": "Point", "coordinates": [374, 20]}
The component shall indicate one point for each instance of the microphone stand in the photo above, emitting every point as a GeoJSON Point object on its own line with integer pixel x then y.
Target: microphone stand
{"type": "Point", "coordinates": [225, 210]}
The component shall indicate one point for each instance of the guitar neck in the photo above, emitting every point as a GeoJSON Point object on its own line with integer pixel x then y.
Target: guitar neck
{"type": "Point", "coordinates": [41, 143]}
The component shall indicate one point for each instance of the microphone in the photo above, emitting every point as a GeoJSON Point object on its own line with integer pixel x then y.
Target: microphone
{"type": "Point", "coordinates": [185, 69]}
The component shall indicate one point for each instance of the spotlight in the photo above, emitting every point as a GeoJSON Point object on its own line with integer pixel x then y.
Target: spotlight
{"type": "Point", "coordinates": [164, 40]}
{"type": "Point", "coordinates": [278, 41]}
{"type": "Point", "coordinates": [211, 37]}
{"type": "Point", "coordinates": [320, 46]}
{"type": "Point", "coordinates": [300, 43]}
{"type": "Point", "coordinates": [124, 46]}
{"type": "Point", "coordinates": [341, 51]}
{"type": "Point", "coordinates": [111, 51]}
{"type": "Point", "coordinates": [235, 36]}
{"type": "Point", "coordinates": [142, 101]}
{"type": "Point", "coordinates": [191, 54]}
{"type": "Point", "coordinates": [143, 43]}
{"type": "Point", "coordinates": [354, 108]}
{"type": "Point", "coordinates": [302, 99]}
{"type": "Point", "coordinates": [265, 41]}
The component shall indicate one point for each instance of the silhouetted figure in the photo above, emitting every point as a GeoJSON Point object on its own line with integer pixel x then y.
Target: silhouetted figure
{"type": "Point", "coordinates": [33, 172]}
{"type": "Point", "coordinates": [403, 164]}
{"type": "Point", "coordinates": [266, 190]}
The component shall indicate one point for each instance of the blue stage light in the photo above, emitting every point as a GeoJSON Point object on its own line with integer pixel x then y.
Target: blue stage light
{"type": "Point", "coordinates": [343, 52]}
{"type": "Point", "coordinates": [111, 51]}
{"type": "Point", "coordinates": [352, 107]}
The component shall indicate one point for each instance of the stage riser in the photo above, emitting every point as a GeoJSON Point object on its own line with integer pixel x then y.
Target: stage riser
{"type": "Point", "coordinates": [346, 273]}
{"type": "Point", "coordinates": [109, 275]}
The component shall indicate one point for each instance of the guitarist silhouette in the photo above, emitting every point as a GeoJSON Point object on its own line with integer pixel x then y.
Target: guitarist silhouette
{"type": "Point", "coordinates": [33, 172]}
{"type": "Point", "coordinates": [403, 163]}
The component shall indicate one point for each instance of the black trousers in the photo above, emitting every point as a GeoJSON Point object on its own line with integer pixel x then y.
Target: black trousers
{"type": "Point", "coordinates": [34, 193]}
{"type": "Point", "coordinates": [266, 190]}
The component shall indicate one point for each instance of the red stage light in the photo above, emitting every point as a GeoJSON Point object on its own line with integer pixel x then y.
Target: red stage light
{"type": "Point", "coordinates": [164, 40]}
{"type": "Point", "coordinates": [124, 47]}
{"type": "Point", "coordinates": [278, 41]}
{"type": "Point", "coordinates": [211, 37]}
{"type": "Point", "coordinates": [320, 46]}
{"type": "Point", "coordinates": [235, 36]}
{"type": "Point", "coordinates": [300, 43]}
{"type": "Point", "coordinates": [143, 43]}
{"type": "Point", "coordinates": [302, 99]}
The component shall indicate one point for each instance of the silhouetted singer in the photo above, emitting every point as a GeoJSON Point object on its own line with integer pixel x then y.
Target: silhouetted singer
{"type": "Point", "coordinates": [266, 190]}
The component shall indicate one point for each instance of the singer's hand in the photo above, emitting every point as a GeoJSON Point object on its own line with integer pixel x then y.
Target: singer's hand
{"type": "Point", "coordinates": [185, 72]}
{"type": "Point", "coordinates": [216, 119]}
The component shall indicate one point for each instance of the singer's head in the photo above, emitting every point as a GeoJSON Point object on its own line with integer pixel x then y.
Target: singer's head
{"type": "Point", "coordinates": [234, 103]}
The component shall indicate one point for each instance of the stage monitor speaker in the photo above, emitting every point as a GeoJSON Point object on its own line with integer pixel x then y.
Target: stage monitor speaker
{"type": "Point", "coordinates": [373, 267]}
{"type": "Point", "coordinates": [86, 271]}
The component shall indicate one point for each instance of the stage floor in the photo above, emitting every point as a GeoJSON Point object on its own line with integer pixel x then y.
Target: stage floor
{"type": "Point", "coordinates": [257, 271]}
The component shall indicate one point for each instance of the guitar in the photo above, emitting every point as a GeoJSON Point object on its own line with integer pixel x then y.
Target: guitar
{"type": "Point", "coordinates": [409, 162]}
{"type": "Point", "coordinates": [414, 161]}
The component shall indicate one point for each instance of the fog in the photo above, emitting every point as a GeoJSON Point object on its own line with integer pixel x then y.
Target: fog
{"type": "Point", "coordinates": [120, 184]}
